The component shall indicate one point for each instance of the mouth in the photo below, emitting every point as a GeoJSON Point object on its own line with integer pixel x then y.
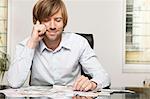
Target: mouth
{"type": "Point", "coordinates": [51, 32]}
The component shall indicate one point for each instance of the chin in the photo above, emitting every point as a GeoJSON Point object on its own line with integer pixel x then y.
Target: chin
{"type": "Point", "coordinates": [52, 38]}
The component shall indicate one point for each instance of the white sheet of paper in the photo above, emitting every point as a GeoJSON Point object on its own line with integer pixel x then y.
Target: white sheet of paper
{"type": "Point", "coordinates": [116, 91]}
{"type": "Point", "coordinates": [47, 91]}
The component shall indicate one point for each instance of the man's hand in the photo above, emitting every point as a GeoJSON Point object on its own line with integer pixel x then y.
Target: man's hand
{"type": "Point", "coordinates": [84, 84]}
{"type": "Point", "coordinates": [37, 34]}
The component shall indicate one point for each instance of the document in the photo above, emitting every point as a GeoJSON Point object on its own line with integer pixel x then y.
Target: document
{"type": "Point", "coordinates": [49, 91]}
{"type": "Point", "coordinates": [116, 91]}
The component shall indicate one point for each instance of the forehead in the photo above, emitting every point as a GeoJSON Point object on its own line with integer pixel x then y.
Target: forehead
{"type": "Point", "coordinates": [58, 14]}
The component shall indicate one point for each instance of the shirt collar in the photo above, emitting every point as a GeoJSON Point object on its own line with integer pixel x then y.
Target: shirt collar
{"type": "Point", "coordinates": [65, 43]}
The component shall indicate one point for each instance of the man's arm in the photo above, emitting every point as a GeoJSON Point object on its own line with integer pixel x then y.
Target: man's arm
{"type": "Point", "coordinates": [20, 67]}
{"type": "Point", "coordinates": [91, 66]}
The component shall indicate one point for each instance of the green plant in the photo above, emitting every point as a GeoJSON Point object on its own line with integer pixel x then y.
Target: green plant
{"type": "Point", "coordinates": [4, 62]}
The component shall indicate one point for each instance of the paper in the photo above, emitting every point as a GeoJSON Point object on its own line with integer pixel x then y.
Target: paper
{"type": "Point", "coordinates": [31, 91]}
{"type": "Point", "coordinates": [49, 91]}
{"type": "Point", "coordinates": [116, 91]}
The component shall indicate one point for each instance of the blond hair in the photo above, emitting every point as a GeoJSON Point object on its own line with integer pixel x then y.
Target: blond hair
{"type": "Point", "coordinates": [45, 8]}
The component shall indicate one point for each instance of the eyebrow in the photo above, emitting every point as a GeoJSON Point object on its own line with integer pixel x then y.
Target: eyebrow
{"type": "Point", "coordinates": [58, 18]}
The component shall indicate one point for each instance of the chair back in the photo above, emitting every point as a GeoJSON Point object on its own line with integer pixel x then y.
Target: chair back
{"type": "Point", "coordinates": [89, 37]}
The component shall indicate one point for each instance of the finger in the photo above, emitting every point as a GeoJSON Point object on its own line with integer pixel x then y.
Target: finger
{"type": "Point", "coordinates": [94, 85]}
{"type": "Point", "coordinates": [88, 87]}
{"type": "Point", "coordinates": [83, 97]}
{"type": "Point", "coordinates": [76, 82]}
{"type": "Point", "coordinates": [78, 97]}
{"type": "Point", "coordinates": [74, 97]}
{"type": "Point", "coordinates": [42, 33]}
{"type": "Point", "coordinates": [89, 98]}
{"type": "Point", "coordinates": [37, 22]}
{"type": "Point", "coordinates": [84, 85]}
{"type": "Point", "coordinates": [81, 83]}
{"type": "Point", "coordinates": [37, 27]}
{"type": "Point", "coordinates": [41, 30]}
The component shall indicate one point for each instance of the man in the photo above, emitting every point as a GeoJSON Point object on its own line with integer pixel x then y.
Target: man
{"type": "Point", "coordinates": [54, 56]}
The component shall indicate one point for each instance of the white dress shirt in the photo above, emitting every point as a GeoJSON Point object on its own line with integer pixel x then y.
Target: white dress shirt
{"type": "Point", "coordinates": [60, 67]}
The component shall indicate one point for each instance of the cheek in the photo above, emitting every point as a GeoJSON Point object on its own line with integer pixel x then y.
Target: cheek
{"type": "Point", "coordinates": [60, 25]}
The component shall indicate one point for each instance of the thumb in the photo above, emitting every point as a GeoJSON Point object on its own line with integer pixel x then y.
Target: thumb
{"type": "Point", "coordinates": [37, 22]}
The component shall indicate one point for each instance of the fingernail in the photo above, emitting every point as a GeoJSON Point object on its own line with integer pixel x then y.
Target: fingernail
{"type": "Point", "coordinates": [85, 89]}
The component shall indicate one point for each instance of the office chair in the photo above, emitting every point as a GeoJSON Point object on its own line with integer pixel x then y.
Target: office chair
{"type": "Point", "coordinates": [89, 37]}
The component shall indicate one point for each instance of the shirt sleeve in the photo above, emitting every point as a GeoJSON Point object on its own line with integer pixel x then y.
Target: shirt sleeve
{"type": "Point", "coordinates": [20, 67]}
{"type": "Point", "coordinates": [92, 66]}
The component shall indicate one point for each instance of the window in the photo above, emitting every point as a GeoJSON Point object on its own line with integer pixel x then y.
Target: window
{"type": "Point", "coordinates": [3, 25]}
{"type": "Point", "coordinates": [137, 42]}
{"type": "Point", "coordinates": [3, 37]}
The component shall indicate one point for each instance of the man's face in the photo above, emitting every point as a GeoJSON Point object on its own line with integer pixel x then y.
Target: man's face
{"type": "Point", "coordinates": [54, 25]}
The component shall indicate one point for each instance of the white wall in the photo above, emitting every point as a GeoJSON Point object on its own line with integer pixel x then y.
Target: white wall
{"type": "Point", "coordinates": [103, 18]}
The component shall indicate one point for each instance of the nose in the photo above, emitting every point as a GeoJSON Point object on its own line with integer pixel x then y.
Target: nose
{"type": "Point", "coordinates": [52, 25]}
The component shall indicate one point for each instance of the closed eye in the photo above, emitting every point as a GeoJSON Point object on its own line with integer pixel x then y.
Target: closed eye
{"type": "Point", "coordinates": [58, 19]}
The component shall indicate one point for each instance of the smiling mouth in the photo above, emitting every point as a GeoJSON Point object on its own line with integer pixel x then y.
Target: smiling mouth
{"type": "Point", "coordinates": [53, 31]}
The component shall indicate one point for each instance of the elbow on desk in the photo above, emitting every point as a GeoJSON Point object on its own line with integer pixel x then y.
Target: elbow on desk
{"type": "Point", "coordinates": [13, 83]}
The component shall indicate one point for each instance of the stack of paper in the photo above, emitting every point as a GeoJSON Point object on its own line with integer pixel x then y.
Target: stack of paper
{"type": "Point", "coordinates": [54, 91]}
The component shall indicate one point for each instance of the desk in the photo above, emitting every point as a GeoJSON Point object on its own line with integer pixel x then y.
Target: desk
{"type": "Point", "coordinates": [140, 93]}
